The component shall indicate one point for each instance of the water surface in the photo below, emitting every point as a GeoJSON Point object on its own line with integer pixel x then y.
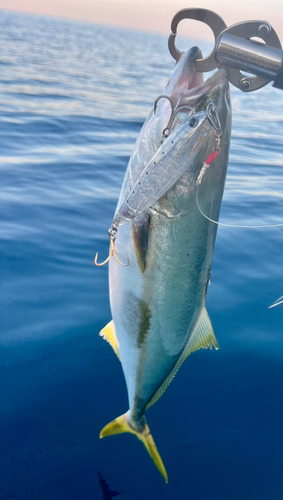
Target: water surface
{"type": "Point", "coordinates": [73, 97]}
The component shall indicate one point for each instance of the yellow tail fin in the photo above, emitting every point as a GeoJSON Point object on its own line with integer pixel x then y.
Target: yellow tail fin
{"type": "Point", "coordinates": [121, 425]}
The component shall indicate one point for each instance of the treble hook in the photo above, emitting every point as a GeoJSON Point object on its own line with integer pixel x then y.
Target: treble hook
{"type": "Point", "coordinates": [112, 236]}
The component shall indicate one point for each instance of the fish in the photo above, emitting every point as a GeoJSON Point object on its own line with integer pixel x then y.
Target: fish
{"type": "Point", "coordinates": [158, 300]}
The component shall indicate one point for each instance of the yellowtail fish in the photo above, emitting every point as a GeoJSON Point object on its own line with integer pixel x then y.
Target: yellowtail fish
{"type": "Point", "coordinates": [158, 301]}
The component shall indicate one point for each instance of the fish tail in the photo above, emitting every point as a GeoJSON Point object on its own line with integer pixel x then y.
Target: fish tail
{"type": "Point", "coordinates": [121, 425]}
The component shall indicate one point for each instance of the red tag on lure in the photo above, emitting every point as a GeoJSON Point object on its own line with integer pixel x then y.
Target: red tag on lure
{"type": "Point", "coordinates": [211, 157]}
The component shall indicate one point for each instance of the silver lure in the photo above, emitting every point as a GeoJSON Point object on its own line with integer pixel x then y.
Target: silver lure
{"type": "Point", "coordinates": [158, 302]}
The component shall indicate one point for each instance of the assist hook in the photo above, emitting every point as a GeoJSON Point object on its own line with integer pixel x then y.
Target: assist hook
{"type": "Point", "coordinates": [174, 110]}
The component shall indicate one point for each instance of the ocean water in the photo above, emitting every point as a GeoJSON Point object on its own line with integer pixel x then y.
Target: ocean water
{"type": "Point", "coordinates": [73, 97]}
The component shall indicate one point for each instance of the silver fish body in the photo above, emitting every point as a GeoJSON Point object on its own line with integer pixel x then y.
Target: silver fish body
{"type": "Point", "coordinates": [158, 301]}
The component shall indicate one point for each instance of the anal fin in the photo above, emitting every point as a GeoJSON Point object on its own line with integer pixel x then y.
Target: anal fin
{"type": "Point", "coordinates": [202, 337]}
{"type": "Point", "coordinates": [109, 334]}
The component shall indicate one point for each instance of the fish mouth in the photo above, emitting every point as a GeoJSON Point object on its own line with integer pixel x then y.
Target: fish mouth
{"type": "Point", "coordinates": [185, 76]}
{"type": "Point", "coordinates": [188, 84]}
{"type": "Point", "coordinates": [218, 78]}
{"type": "Point", "coordinates": [190, 94]}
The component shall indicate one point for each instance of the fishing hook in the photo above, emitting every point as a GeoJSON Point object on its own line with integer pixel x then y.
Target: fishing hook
{"type": "Point", "coordinates": [213, 118]}
{"type": "Point", "coordinates": [112, 252]}
{"type": "Point", "coordinates": [174, 111]}
{"type": "Point", "coordinates": [166, 131]}
{"type": "Point", "coordinates": [164, 97]}
{"type": "Point", "coordinates": [112, 236]}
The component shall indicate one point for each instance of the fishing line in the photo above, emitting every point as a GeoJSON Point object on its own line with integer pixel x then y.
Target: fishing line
{"type": "Point", "coordinates": [198, 182]}
{"type": "Point", "coordinates": [254, 226]}
{"type": "Point", "coordinates": [276, 303]}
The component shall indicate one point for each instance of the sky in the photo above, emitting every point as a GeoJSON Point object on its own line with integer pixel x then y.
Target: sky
{"type": "Point", "coordinates": [154, 15]}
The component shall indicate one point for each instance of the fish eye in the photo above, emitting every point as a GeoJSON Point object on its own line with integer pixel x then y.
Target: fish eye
{"type": "Point", "coordinates": [193, 122]}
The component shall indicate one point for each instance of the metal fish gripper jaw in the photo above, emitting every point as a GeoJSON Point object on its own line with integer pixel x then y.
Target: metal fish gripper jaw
{"type": "Point", "coordinates": [236, 51]}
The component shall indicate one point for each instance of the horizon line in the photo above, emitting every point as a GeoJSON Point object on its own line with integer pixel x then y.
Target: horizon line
{"type": "Point", "coordinates": [85, 21]}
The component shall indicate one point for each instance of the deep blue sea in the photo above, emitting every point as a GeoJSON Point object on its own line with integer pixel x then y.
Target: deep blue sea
{"type": "Point", "coordinates": [73, 97]}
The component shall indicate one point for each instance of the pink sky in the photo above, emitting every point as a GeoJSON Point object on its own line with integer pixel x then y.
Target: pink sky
{"type": "Point", "coordinates": [154, 15]}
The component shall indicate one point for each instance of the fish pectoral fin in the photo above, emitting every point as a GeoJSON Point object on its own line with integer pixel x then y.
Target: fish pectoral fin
{"type": "Point", "coordinates": [109, 334]}
{"type": "Point", "coordinates": [121, 425]}
{"type": "Point", "coordinates": [202, 337]}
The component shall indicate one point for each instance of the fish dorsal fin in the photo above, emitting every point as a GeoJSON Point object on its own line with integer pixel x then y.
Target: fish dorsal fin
{"type": "Point", "coordinates": [201, 338]}
{"type": "Point", "coordinates": [109, 334]}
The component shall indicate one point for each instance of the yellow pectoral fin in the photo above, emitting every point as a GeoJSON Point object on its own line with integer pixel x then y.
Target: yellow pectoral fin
{"type": "Point", "coordinates": [109, 334]}
{"type": "Point", "coordinates": [121, 425]}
